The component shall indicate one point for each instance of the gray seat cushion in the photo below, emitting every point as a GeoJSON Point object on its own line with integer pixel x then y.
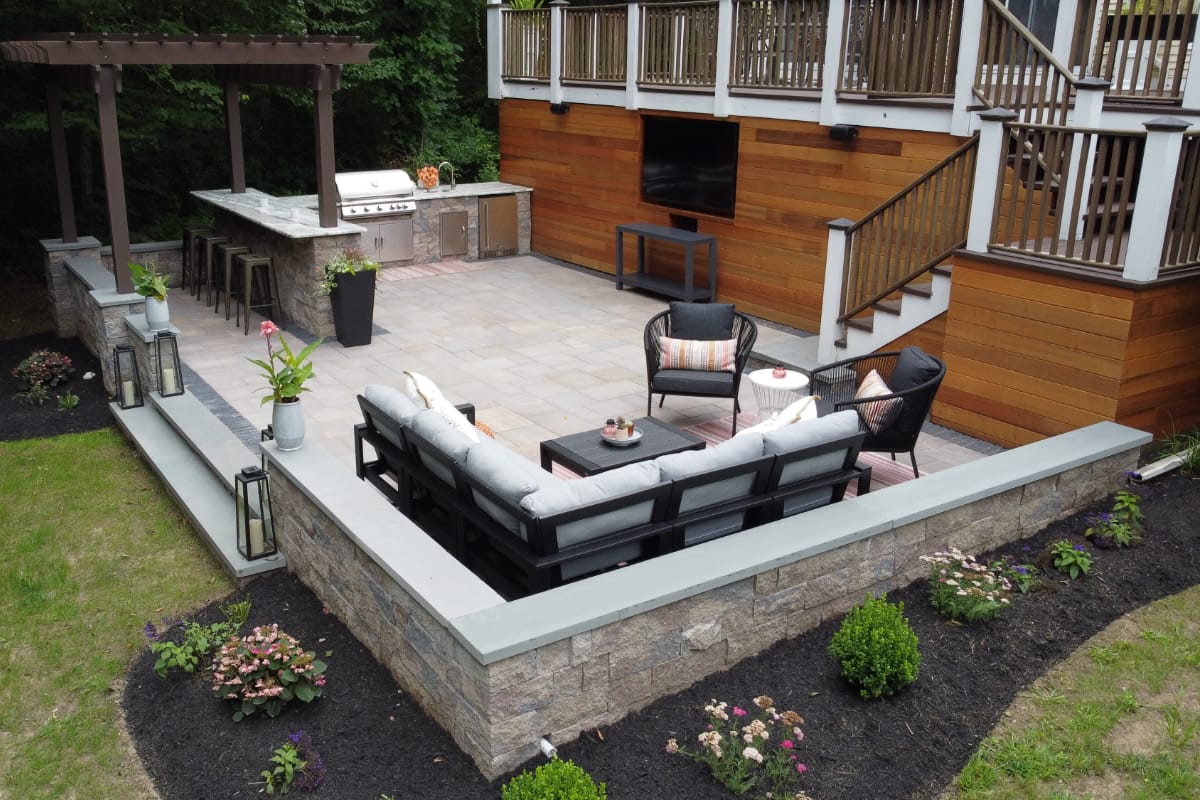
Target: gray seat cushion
{"type": "Point", "coordinates": [592, 489]}
{"type": "Point", "coordinates": [682, 381]}
{"type": "Point", "coordinates": [701, 320]}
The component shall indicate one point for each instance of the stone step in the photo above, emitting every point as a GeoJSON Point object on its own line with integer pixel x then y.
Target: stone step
{"type": "Point", "coordinates": [205, 499]}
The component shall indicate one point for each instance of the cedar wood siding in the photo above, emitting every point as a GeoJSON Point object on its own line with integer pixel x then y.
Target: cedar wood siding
{"type": "Point", "coordinates": [585, 171]}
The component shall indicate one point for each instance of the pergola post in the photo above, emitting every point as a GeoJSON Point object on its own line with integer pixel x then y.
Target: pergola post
{"type": "Point", "coordinates": [107, 86]}
{"type": "Point", "coordinates": [323, 121]}
{"type": "Point", "coordinates": [233, 130]}
{"type": "Point", "coordinates": [62, 166]}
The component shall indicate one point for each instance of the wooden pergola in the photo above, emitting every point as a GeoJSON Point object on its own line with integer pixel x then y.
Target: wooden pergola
{"type": "Point", "coordinates": [93, 62]}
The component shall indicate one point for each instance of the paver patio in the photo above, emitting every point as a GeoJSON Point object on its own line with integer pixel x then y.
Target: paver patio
{"type": "Point", "coordinates": [541, 349]}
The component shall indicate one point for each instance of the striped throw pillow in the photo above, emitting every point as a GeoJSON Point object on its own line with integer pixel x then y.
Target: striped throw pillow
{"type": "Point", "coordinates": [719, 355]}
{"type": "Point", "coordinates": [877, 416]}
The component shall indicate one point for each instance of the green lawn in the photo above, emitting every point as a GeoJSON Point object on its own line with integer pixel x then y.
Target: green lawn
{"type": "Point", "coordinates": [91, 548]}
{"type": "Point", "coordinates": [1119, 719]}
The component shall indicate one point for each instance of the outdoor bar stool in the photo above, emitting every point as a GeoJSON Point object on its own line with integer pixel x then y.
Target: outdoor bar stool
{"type": "Point", "coordinates": [204, 273]}
{"type": "Point", "coordinates": [224, 256]}
{"type": "Point", "coordinates": [260, 271]}
{"type": "Point", "coordinates": [188, 261]}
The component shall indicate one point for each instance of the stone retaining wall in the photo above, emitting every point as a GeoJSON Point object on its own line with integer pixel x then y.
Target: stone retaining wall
{"type": "Point", "coordinates": [500, 675]}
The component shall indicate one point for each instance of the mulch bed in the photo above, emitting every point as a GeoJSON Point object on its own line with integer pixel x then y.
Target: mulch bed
{"type": "Point", "coordinates": [374, 739]}
{"type": "Point", "coordinates": [21, 419]}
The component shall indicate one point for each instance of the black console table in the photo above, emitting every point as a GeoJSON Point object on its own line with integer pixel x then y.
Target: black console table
{"type": "Point", "coordinates": [688, 291]}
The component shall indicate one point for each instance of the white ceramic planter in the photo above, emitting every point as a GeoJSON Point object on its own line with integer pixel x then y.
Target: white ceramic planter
{"type": "Point", "coordinates": [158, 318]}
{"type": "Point", "coordinates": [287, 421]}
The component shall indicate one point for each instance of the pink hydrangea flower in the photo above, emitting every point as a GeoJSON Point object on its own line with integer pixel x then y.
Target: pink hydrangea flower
{"type": "Point", "coordinates": [738, 711]}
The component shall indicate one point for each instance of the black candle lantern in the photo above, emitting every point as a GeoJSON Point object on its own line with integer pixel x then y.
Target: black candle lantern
{"type": "Point", "coordinates": [129, 383]}
{"type": "Point", "coordinates": [255, 525]}
{"type": "Point", "coordinates": [170, 372]}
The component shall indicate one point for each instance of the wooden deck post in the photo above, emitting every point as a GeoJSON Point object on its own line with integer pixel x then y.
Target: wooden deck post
{"type": "Point", "coordinates": [961, 122]}
{"type": "Point", "coordinates": [1089, 104]}
{"type": "Point", "coordinates": [633, 35]}
{"type": "Point", "coordinates": [724, 57]}
{"type": "Point", "coordinates": [988, 164]}
{"type": "Point", "coordinates": [1191, 85]}
{"type": "Point", "coordinates": [495, 50]}
{"type": "Point", "coordinates": [1164, 140]}
{"type": "Point", "coordinates": [107, 86]}
{"type": "Point", "coordinates": [556, 50]}
{"type": "Point", "coordinates": [831, 293]}
{"type": "Point", "coordinates": [831, 71]}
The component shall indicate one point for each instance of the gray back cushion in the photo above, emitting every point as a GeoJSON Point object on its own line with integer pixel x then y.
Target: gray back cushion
{"type": "Point", "coordinates": [805, 434]}
{"type": "Point", "coordinates": [913, 367]}
{"type": "Point", "coordinates": [707, 321]}
{"type": "Point", "coordinates": [726, 454]}
{"type": "Point", "coordinates": [447, 439]}
{"type": "Point", "coordinates": [396, 405]}
{"type": "Point", "coordinates": [592, 489]}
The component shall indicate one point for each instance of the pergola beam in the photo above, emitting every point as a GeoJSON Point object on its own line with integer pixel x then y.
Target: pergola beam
{"type": "Point", "coordinates": [89, 49]}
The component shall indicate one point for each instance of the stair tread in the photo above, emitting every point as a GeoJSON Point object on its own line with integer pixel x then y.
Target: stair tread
{"type": "Point", "coordinates": [864, 323]}
{"type": "Point", "coordinates": [200, 493]}
{"type": "Point", "coordinates": [920, 288]}
{"type": "Point", "coordinates": [888, 306]}
{"type": "Point", "coordinates": [215, 444]}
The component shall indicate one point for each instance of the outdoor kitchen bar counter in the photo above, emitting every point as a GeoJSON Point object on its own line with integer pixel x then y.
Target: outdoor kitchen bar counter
{"type": "Point", "coordinates": [288, 230]}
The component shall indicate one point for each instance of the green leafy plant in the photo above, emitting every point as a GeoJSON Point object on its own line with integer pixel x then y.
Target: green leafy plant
{"type": "Point", "coordinates": [744, 752]}
{"type": "Point", "coordinates": [962, 588]}
{"type": "Point", "coordinates": [265, 670]}
{"type": "Point", "coordinates": [1073, 560]}
{"type": "Point", "coordinates": [1185, 445]}
{"type": "Point", "coordinates": [1022, 577]}
{"type": "Point", "coordinates": [68, 401]}
{"type": "Point", "coordinates": [286, 380]}
{"type": "Point", "coordinates": [185, 645]}
{"type": "Point", "coordinates": [555, 780]}
{"type": "Point", "coordinates": [147, 282]}
{"type": "Point", "coordinates": [44, 368]}
{"type": "Point", "coordinates": [877, 648]}
{"type": "Point", "coordinates": [36, 395]}
{"type": "Point", "coordinates": [295, 765]}
{"type": "Point", "coordinates": [349, 261]}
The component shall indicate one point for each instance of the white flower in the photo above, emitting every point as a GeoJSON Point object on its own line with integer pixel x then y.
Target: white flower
{"type": "Point", "coordinates": [753, 755]}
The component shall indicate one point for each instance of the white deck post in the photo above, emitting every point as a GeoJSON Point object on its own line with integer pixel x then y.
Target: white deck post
{"type": "Point", "coordinates": [633, 40]}
{"type": "Point", "coordinates": [556, 50]}
{"type": "Point", "coordinates": [987, 177]}
{"type": "Point", "coordinates": [964, 77]}
{"type": "Point", "coordinates": [835, 22]}
{"type": "Point", "coordinates": [1064, 32]}
{"type": "Point", "coordinates": [1164, 141]}
{"type": "Point", "coordinates": [1191, 86]}
{"type": "Point", "coordinates": [1089, 106]}
{"type": "Point", "coordinates": [831, 293]}
{"type": "Point", "coordinates": [724, 58]}
{"type": "Point", "coordinates": [494, 50]}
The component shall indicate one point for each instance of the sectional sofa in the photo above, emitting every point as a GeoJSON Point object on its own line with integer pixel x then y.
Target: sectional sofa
{"type": "Point", "coordinates": [524, 529]}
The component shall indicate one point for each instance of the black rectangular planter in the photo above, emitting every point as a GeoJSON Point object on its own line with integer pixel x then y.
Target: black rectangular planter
{"type": "Point", "coordinates": [353, 301]}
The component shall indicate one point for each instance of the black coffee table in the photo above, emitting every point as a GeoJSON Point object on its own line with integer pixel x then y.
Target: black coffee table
{"type": "Point", "coordinates": [586, 453]}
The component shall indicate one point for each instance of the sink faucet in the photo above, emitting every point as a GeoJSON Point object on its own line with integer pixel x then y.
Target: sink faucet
{"type": "Point", "coordinates": [450, 166]}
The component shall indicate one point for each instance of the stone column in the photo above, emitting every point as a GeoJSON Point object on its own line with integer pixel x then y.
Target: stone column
{"type": "Point", "coordinates": [55, 252]}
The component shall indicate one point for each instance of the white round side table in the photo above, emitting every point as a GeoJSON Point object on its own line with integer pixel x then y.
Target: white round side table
{"type": "Point", "coordinates": [775, 394]}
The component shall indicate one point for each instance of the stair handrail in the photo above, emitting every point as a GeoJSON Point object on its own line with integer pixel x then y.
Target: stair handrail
{"type": "Point", "coordinates": [1051, 110]}
{"type": "Point", "coordinates": [863, 287]}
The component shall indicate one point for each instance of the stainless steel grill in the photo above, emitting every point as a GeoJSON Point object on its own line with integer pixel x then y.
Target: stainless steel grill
{"type": "Point", "coordinates": [376, 193]}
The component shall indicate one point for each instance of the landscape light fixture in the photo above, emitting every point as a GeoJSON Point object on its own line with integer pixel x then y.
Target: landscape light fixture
{"type": "Point", "coordinates": [129, 383]}
{"type": "Point", "coordinates": [843, 133]}
{"type": "Point", "coordinates": [255, 525]}
{"type": "Point", "coordinates": [170, 373]}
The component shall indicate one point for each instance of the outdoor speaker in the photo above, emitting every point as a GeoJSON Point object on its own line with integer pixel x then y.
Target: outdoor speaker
{"type": "Point", "coordinates": [843, 133]}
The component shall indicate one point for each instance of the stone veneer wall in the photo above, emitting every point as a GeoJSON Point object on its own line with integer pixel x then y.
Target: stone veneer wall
{"type": "Point", "coordinates": [427, 225]}
{"type": "Point", "coordinates": [55, 253]}
{"type": "Point", "coordinates": [295, 262]}
{"type": "Point", "coordinates": [165, 257]}
{"type": "Point", "coordinates": [554, 664]}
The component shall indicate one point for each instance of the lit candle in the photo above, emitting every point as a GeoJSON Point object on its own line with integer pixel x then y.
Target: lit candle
{"type": "Point", "coordinates": [127, 393]}
{"type": "Point", "coordinates": [169, 385]}
{"type": "Point", "coordinates": [256, 537]}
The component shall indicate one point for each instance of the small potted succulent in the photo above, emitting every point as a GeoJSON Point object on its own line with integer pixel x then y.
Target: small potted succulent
{"type": "Point", "coordinates": [349, 280]}
{"type": "Point", "coordinates": [152, 286]}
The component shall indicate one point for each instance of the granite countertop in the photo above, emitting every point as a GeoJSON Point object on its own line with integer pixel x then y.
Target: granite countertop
{"type": "Point", "coordinates": [293, 217]}
{"type": "Point", "coordinates": [468, 190]}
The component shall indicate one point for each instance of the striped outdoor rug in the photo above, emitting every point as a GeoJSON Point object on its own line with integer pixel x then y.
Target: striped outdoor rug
{"type": "Point", "coordinates": [432, 269]}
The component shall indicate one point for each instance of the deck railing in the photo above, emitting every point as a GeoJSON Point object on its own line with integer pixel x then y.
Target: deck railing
{"type": "Point", "coordinates": [526, 44]}
{"type": "Point", "coordinates": [1182, 248]}
{"type": "Point", "coordinates": [1068, 194]}
{"type": "Point", "coordinates": [909, 234]}
{"type": "Point", "coordinates": [1143, 48]}
{"type": "Point", "coordinates": [594, 43]}
{"type": "Point", "coordinates": [679, 44]}
{"type": "Point", "coordinates": [779, 44]}
{"type": "Point", "coordinates": [1016, 71]}
{"type": "Point", "coordinates": [901, 48]}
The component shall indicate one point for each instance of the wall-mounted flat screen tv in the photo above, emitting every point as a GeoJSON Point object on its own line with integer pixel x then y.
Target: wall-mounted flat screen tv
{"type": "Point", "coordinates": [690, 164]}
